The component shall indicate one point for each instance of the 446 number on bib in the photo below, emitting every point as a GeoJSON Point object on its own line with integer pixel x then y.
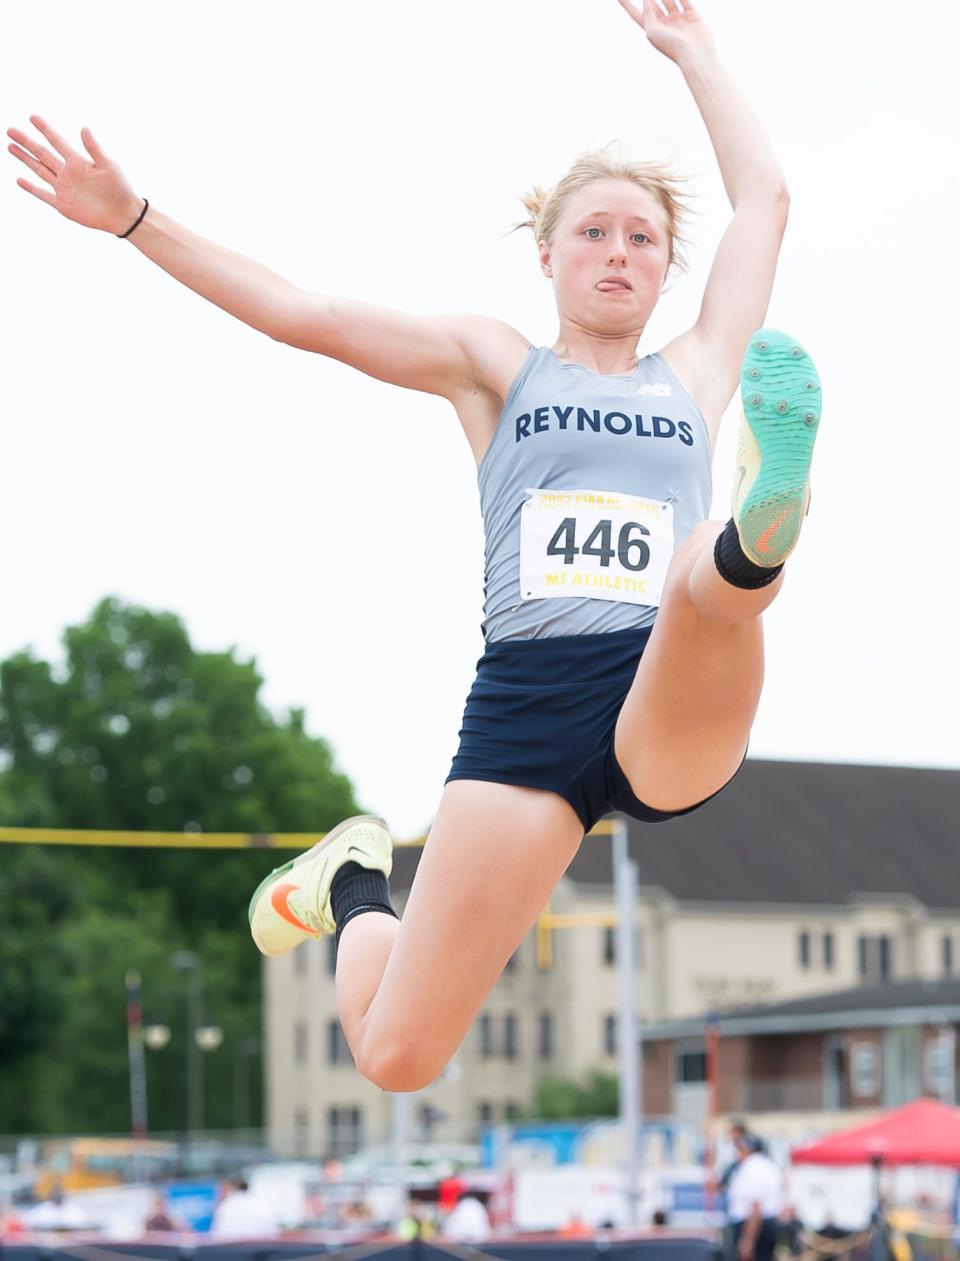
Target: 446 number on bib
{"type": "Point", "coordinates": [631, 550]}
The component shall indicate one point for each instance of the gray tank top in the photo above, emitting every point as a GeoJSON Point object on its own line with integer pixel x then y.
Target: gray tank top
{"type": "Point", "coordinates": [564, 427]}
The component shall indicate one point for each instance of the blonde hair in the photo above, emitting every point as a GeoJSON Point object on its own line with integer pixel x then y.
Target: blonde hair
{"type": "Point", "coordinates": [546, 206]}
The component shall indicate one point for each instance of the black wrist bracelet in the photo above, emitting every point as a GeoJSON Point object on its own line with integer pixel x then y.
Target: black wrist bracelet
{"type": "Point", "coordinates": [130, 229]}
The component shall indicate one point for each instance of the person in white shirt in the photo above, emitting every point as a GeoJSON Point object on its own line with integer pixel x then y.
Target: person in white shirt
{"type": "Point", "coordinates": [754, 1201]}
{"type": "Point", "coordinates": [469, 1222]}
{"type": "Point", "coordinates": [240, 1215]}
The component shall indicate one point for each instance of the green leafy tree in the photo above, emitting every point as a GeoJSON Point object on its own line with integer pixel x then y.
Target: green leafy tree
{"type": "Point", "coordinates": [137, 731]}
{"type": "Point", "coordinates": [36, 900]}
{"type": "Point", "coordinates": [560, 1098]}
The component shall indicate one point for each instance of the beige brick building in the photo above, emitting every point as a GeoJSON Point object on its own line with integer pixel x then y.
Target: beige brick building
{"type": "Point", "coordinates": [798, 880]}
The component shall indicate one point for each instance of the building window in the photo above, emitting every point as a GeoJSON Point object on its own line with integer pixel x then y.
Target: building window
{"type": "Point", "coordinates": [946, 955]}
{"type": "Point", "coordinates": [485, 1112]}
{"type": "Point", "coordinates": [884, 958]}
{"type": "Point", "coordinates": [510, 1036]}
{"type": "Point", "coordinates": [691, 1066]}
{"type": "Point", "coordinates": [344, 1131]}
{"type": "Point", "coordinates": [356, 1124]}
{"type": "Point", "coordinates": [804, 948]}
{"type": "Point", "coordinates": [338, 1048]}
{"type": "Point", "coordinates": [300, 1042]}
{"type": "Point", "coordinates": [511, 1111]}
{"type": "Point", "coordinates": [513, 961]}
{"type": "Point", "coordinates": [610, 946]}
{"type": "Point", "coordinates": [610, 1034]}
{"type": "Point", "coordinates": [864, 1070]}
{"type": "Point", "coordinates": [333, 1130]}
{"type": "Point", "coordinates": [486, 1035]}
{"type": "Point", "coordinates": [828, 955]}
{"type": "Point", "coordinates": [875, 957]}
{"type": "Point", "coordinates": [545, 1047]}
{"type": "Point", "coordinates": [939, 1054]}
{"type": "Point", "coordinates": [332, 954]}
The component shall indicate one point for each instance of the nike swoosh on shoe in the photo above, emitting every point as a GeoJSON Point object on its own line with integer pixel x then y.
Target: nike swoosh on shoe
{"type": "Point", "coordinates": [763, 542]}
{"type": "Point", "coordinates": [278, 900]}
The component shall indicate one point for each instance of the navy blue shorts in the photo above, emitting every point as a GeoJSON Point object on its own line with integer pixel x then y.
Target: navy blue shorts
{"type": "Point", "coordinates": [542, 713]}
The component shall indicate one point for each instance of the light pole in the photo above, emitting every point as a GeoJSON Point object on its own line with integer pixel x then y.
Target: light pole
{"type": "Point", "coordinates": [193, 965]}
{"type": "Point", "coordinates": [631, 1098]}
{"type": "Point", "coordinates": [138, 1073]}
{"type": "Point", "coordinates": [200, 1037]}
{"type": "Point", "coordinates": [243, 1050]}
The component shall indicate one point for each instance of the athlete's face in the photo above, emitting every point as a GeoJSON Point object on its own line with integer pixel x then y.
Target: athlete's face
{"type": "Point", "coordinates": [610, 228]}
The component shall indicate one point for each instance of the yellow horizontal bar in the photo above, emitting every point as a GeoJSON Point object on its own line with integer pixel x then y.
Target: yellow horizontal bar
{"type": "Point", "coordinates": [192, 840]}
{"type": "Point", "coordinates": [585, 919]}
{"type": "Point", "coordinates": [167, 840]}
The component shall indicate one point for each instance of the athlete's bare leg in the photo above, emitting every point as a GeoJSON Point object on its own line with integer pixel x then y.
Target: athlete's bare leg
{"type": "Point", "coordinates": [683, 728]}
{"type": "Point", "coordinates": [408, 990]}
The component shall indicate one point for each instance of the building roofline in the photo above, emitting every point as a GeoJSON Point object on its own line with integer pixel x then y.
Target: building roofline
{"type": "Point", "coordinates": [808, 1022]}
{"type": "Point", "coordinates": [650, 895]}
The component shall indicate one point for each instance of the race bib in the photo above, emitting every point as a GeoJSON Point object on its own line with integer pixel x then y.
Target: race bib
{"type": "Point", "coordinates": [596, 543]}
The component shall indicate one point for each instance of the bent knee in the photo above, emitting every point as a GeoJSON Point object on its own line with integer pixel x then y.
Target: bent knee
{"type": "Point", "coordinates": [686, 555]}
{"type": "Point", "coordinates": [399, 1068]}
{"type": "Point", "coordinates": [705, 532]}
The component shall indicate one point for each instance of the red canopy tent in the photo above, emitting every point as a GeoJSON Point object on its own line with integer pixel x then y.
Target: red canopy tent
{"type": "Point", "coordinates": [922, 1133]}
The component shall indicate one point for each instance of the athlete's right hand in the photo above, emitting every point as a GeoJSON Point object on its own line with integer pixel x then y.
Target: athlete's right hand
{"type": "Point", "coordinates": [95, 193]}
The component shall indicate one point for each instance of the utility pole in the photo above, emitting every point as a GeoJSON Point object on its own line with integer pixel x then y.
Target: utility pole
{"type": "Point", "coordinates": [193, 965]}
{"type": "Point", "coordinates": [629, 1041]}
{"type": "Point", "coordinates": [138, 1072]}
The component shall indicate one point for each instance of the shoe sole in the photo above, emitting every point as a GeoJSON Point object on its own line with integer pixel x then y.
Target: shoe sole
{"type": "Point", "coordinates": [328, 840]}
{"type": "Point", "coordinates": [781, 396]}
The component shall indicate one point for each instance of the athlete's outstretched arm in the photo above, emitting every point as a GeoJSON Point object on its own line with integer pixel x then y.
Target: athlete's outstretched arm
{"type": "Point", "coordinates": [738, 290]}
{"type": "Point", "coordinates": [433, 353]}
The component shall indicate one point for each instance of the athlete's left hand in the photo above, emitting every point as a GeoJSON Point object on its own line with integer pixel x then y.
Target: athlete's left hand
{"type": "Point", "coordinates": [675, 33]}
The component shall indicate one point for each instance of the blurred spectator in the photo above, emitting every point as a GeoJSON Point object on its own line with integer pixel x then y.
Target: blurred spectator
{"type": "Point", "coordinates": [159, 1218]}
{"type": "Point", "coordinates": [469, 1222]}
{"type": "Point", "coordinates": [239, 1215]}
{"type": "Point", "coordinates": [417, 1223]}
{"type": "Point", "coordinates": [738, 1132]}
{"type": "Point", "coordinates": [660, 1218]}
{"type": "Point", "coordinates": [754, 1203]}
{"type": "Point", "coordinates": [358, 1213]}
{"type": "Point", "coordinates": [449, 1192]}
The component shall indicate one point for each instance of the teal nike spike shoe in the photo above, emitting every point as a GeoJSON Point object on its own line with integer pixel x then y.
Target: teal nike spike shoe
{"type": "Point", "coordinates": [780, 413]}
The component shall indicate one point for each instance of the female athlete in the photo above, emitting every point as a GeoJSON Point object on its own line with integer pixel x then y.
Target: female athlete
{"type": "Point", "coordinates": [624, 654]}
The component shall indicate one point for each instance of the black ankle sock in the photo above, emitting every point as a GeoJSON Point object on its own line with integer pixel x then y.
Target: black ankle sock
{"type": "Point", "coordinates": [735, 567]}
{"type": "Point", "coordinates": [356, 889]}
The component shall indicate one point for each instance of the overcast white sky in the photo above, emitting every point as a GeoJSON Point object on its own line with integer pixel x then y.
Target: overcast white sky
{"type": "Point", "coordinates": [327, 523]}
